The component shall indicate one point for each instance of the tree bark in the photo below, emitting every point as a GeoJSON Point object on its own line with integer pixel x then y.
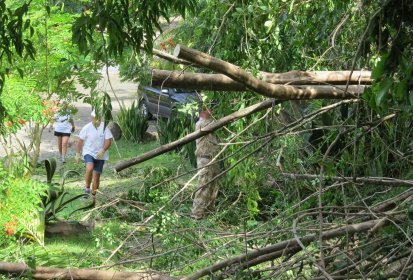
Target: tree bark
{"type": "Point", "coordinates": [20, 269]}
{"type": "Point", "coordinates": [197, 134]}
{"type": "Point", "coordinates": [281, 92]}
{"type": "Point", "coordinates": [321, 80]}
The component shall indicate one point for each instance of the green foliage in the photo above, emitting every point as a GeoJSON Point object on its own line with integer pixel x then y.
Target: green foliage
{"type": "Point", "coordinates": [132, 123]}
{"type": "Point", "coordinates": [125, 24]}
{"type": "Point", "coordinates": [20, 207]}
{"type": "Point", "coordinates": [14, 41]}
{"type": "Point", "coordinates": [180, 123]}
{"type": "Point", "coordinates": [54, 200]}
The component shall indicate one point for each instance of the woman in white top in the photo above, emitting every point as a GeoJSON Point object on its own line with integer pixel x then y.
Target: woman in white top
{"type": "Point", "coordinates": [63, 127]}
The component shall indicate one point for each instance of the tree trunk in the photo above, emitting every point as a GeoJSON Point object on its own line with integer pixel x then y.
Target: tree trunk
{"type": "Point", "coordinates": [220, 82]}
{"type": "Point", "coordinates": [281, 92]}
{"type": "Point", "coordinates": [20, 269]}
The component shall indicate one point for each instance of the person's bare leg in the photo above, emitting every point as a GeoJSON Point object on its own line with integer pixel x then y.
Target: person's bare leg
{"type": "Point", "coordinates": [96, 182]}
{"type": "Point", "coordinates": [65, 141]}
{"type": "Point", "coordinates": [88, 174]}
{"type": "Point", "coordinates": [59, 145]}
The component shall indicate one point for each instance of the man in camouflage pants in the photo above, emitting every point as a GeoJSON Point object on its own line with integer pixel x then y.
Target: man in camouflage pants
{"type": "Point", "coordinates": [206, 149]}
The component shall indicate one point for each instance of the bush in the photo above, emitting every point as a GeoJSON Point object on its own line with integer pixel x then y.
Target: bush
{"type": "Point", "coordinates": [20, 208]}
{"type": "Point", "coordinates": [132, 123]}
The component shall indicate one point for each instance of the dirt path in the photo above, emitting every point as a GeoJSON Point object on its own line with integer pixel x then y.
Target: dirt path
{"type": "Point", "coordinates": [126, 92]}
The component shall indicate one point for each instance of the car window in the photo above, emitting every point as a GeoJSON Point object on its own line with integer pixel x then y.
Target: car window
{"type": "Point", "coordinates": [178, 90]}
{"type": "Point", "coordinates": [165, 91]}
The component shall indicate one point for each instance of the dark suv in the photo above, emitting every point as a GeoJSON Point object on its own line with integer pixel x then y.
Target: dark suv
{"type": "Point", "coordinates": [155, 101]}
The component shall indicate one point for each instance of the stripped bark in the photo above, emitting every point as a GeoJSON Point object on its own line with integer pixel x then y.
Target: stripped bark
{"type": "Point", "coordinates": [282, 92]}
{"type": "Point", "coordinates": [21, 269]}
{"type": "Point", "coordinates": [321, 81]}
{"type": "Point", "coordinates": [197, 134]}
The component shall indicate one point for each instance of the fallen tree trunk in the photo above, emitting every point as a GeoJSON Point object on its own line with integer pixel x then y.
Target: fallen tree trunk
{"type": "Point", "coordinates": [21, 269]}
{"type": "Point", "coordinates": [197, 134]}
{"type": "Point", "coordinates": [276, 250]}
{"type": "Point", "coordinates": [220, 82]}
{"type": "Point", "coordinates": [281, 92]}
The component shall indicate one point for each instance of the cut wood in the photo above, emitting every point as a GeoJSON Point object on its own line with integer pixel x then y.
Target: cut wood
{"type": "Point", "coordinates": [197, 134]}
{"type": "Point", "coordinates": [281, 92]}
{"type": "Point", "coordinates": [21, 269]}
{"type": "Point", "coordinates": [220, 82]}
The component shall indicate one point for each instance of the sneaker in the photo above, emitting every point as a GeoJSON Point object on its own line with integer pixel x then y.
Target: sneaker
{"type": "Point", "coordinates": [87, 193]}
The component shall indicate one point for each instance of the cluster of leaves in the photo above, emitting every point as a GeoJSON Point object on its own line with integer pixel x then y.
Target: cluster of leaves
{"type": "Point", "coordinates": [391, 37]}
{"type": "Point", "coordinates": [20, 207]}
{"type": "Point", "coordinates": [123, 24]}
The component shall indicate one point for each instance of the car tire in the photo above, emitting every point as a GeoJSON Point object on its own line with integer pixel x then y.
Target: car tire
{"type": "Point", "coordinates": [143, 107]}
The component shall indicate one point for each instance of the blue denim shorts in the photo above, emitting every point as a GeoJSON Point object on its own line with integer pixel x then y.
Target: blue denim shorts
{"type": "Point", "coordinates": [97, 163]}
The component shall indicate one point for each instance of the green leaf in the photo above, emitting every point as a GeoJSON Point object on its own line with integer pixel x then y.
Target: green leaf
{"type": "Point", "coordinates": [48, 10]}
{"type": "Point", "coordinates": [411, 97]}
{"type": "Point", "coordinates": [384, 87]}
{"type": "Point", "coordinates": [400, 90]}
{"type": "Point", "coordinates": [378, 70]}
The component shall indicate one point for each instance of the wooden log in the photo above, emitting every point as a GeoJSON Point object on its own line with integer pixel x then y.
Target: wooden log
{"type": "Point", "coordinates": [21, 269]}
{"type": "Point", "coordinates": [281, 92]}
{"type": "Point", "coordinates": [220, 82]}
{"type": "Point", "coordinates": [197, 134]}
{"type": "Point", "coordinates": [68, 228]}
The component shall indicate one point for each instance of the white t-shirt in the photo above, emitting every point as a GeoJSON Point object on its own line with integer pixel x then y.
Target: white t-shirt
{"type": "Point", "coordinates": [62, 123]}
{"type": "Point", "coordinates": [94, 139]}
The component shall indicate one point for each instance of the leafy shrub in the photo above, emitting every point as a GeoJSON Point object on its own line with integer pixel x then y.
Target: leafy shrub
{"type": "Point", "coordinates": [179, 124]}
{"type": "Point", "coordinates": [20, 208]}
{"type": "Point", "coordinates": [132, 123]}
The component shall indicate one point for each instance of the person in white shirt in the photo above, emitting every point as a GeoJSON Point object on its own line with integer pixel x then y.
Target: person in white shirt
{"type": "Point", "coordinates": [94, 142]}
{"type": "Point", "coordinates": [63, 126]}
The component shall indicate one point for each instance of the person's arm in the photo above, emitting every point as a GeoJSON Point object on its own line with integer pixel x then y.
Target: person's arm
{"type": "Point", "coordinates": [107, 144]}
{"type": "Point", "coordinates": [72, 123]}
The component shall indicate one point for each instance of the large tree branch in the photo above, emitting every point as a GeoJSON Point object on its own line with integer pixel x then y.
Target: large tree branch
{"type": "Point", "coordinates": [288, 245]}
{"type": "Point", "coordinates": [358, 180]}
{"type": "Point", "coordinates": [170, 58]}
{"type": "Point", "coordinates": [203, 81]}
{"type": "Point", "coordinates": [21, 269]}
{"type": "Point", "coordinates": [281, 92]}
{"type": "Point", "coordinates": [197, 134]}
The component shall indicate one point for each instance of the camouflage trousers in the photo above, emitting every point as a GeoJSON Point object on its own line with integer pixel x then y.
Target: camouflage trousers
{"type": "Point", "coordinates": [204, 198]}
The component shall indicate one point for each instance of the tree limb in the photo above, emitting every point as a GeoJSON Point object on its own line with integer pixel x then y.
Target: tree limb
{"type": "Point", "coordinates": [284, 245]}
{"type": "Point", "coordinates": [385, 181]}
{"type": "Point", "coordinates": [321, 81]}
{"type": "Point", "coordinates": [197, 134]}
{"type": "Point", "coordinates": [282, 92]}
{"type": "Point", "coordinates": [19, 269]}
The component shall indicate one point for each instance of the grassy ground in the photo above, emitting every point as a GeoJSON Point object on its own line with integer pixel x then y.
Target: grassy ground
{"type": "Point", "coordinates": [113, 220]}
